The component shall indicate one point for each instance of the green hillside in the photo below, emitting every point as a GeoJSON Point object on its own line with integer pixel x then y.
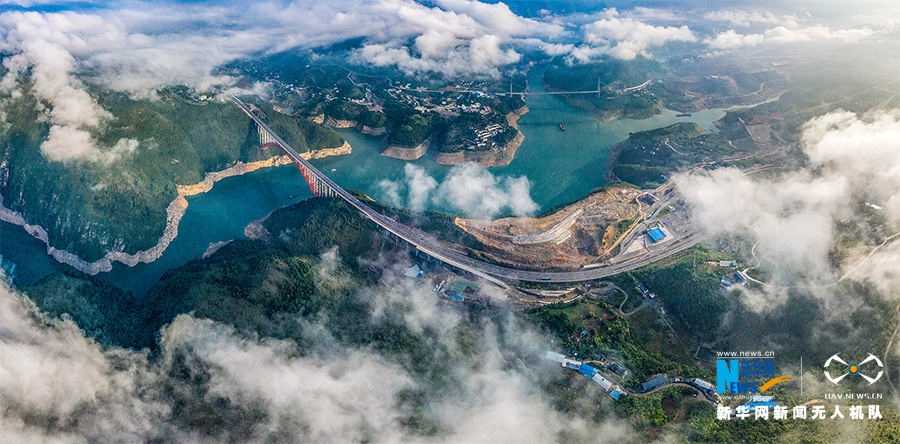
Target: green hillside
{"type": "Point", "coordinates": [89, 208]}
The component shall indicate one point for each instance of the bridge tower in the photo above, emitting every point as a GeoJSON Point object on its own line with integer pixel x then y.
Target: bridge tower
{"type": "Point", "coordinates": [318, 187]}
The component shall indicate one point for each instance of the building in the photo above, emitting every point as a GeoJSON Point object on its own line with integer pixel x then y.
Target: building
{"type": "Point", "coordinates": [604, 383]}
{"type": "Point", "coordinates": [461, 289]}
{"type": "Point", "coordinates": [617, 369]}
{"type": "Point", "coordinates": [654, 383]}
{"type": "Point", "coordinates": [641, 287]}
{"type": "Point", "coordinates": [587, 370]}
{"type": "Point", "coordinates": [571, 364]}
{"type": "Point", "coordinates": [613, 391]}
{"type": "Point", "coordinates": [648, 198]}
{"type": "Point", "coordinates": [461, 286]}
{"type": "Point", "coordinates": [555, 357]}
{"type": "Point", "coordinates": [703, 385]}
{"type": "Point", "coordinates": [413, 272]}
{"type": "Point", "coordinates": [656, 234]}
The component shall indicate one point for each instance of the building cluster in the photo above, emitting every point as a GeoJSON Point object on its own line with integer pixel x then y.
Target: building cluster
{"type": "Point", "coordinates": [611, 389]}
{"type": "Point", "coordinates": [735, 279]}
{"type": "Point", "coordinates": [484, 137]}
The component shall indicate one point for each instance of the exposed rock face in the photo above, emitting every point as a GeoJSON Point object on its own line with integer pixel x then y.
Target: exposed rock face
{"type": "Point", "coordinates": [337, 123]}
{"type": "Point", "coordinates": [174, 213]}
{"type": "Point", "coordinates": [403, 153]}
{"type": "Point", "coordinates": [372, 131]}
{"type": "Point", "coordinates": [213, 248]}
{"type": "Point", "coordinates": [256, 230]}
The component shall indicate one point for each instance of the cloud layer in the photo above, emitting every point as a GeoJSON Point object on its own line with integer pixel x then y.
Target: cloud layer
{"type": "Point", "coordinates": [626, 38]}
{"type": "Point", "coordinates": [211, 383]}
{"type": "Point", "coordinates": [45, 45]}
{"type": "Point", "coordinates": [138, 47]}
{"type": "Point", "coordinates": [852, 159]}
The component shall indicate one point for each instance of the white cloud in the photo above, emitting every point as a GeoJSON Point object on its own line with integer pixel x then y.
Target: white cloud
{"type": "Point", "coordinates": [420, 187]}
{"type": "Point", "coordinates": [745, 18]}
{"type": "Point", "coordinates": [58, 386]}
{"type": "Point", "coordinates": [732, 40]}
{"type": "Point", "coordinates": [789, 33]}
{"type": "Point", "coordinates": [45, 45]}
{"type": "Point", "coordinates": [468, 189]}
{"type": "Point", "coordinates": [477, 193]}
{"type": "Point", "coordinates": [864, 149]}
{"type": "Point", "coordinates": [626, 38]}
{"type": "Point", "coordinates": [643, 13]}
{"type": "Point", "coordinates": [443, 54]}
{"type": "Point", "coordinates": [783, 34]}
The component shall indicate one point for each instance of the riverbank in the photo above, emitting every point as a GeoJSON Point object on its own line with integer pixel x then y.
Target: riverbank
{"type": "Point", "coordinates": [174, 212]}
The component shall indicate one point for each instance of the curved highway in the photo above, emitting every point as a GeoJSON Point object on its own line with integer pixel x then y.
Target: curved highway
{"type": "Point", "coordinates": [430, 246]}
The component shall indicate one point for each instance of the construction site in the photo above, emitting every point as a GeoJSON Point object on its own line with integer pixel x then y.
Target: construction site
{"type": "Point", "coordinates": [577, 235]}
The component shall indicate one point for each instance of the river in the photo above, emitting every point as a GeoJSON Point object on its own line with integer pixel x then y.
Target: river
{"type": "Point", "coordinates": [562, 166]}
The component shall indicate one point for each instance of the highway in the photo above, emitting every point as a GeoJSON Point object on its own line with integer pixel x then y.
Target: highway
{"type": "Point", "coordinates": [494, 273]}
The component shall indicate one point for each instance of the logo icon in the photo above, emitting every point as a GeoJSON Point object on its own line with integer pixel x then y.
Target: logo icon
{"type": "Point", "coordinates": [738, 376]}
{"type": "Point", "coordinates": [853, 369]}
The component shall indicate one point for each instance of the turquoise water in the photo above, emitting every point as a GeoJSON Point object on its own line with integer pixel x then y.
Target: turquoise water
{"type": "Point", "coordinates": [562, 167]}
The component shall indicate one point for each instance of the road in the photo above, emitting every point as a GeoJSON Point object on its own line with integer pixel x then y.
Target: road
{"type": "Point", "coordinates": [493, 273]}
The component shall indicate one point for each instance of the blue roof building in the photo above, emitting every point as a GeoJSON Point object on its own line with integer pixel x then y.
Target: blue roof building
{"type": "Point", "coordinates": [587, 370]}
{"type": "Point", "coordinates": [615, 394]}
{"type": "Point", "coordinates": [656, 234]}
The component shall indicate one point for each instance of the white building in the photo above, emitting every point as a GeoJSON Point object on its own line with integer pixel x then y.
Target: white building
{"type": "Point", "coordinates": [555, 357]}
{"type": "Point", "coordinates": [602, 382]}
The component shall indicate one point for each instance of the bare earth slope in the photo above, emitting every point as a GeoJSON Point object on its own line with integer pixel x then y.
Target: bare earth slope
{"type": "Point", "coordinates": [574, 236]}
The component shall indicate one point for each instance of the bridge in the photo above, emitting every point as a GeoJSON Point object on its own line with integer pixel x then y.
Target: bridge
{"type": "Point", "coordinates": [321, 185]}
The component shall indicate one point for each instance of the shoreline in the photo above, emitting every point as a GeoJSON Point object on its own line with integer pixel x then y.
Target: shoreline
{"type": "Point", "coordinates": [174, 212]}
